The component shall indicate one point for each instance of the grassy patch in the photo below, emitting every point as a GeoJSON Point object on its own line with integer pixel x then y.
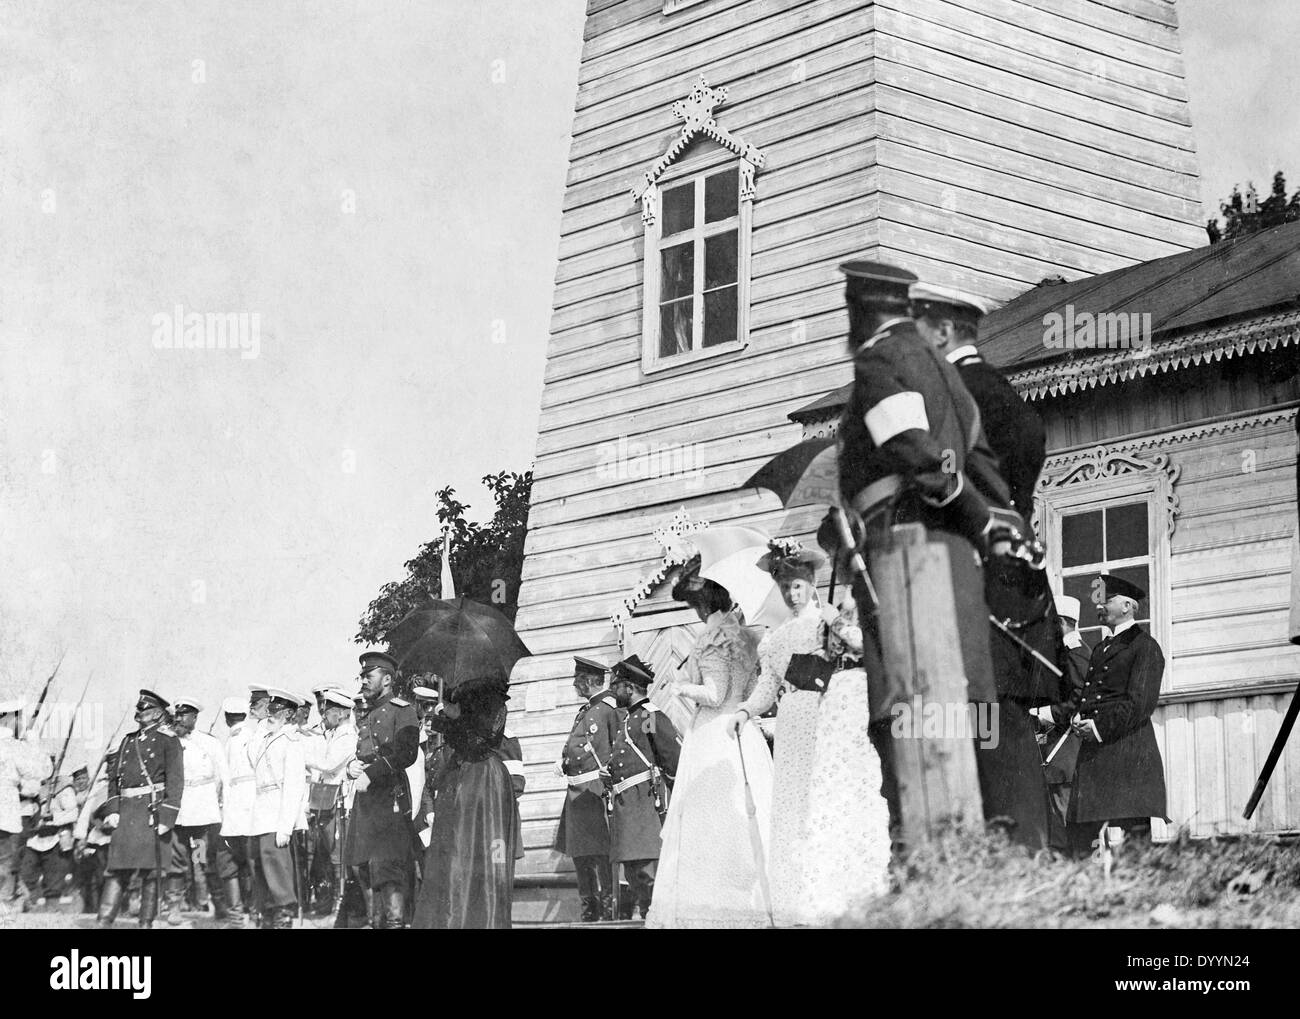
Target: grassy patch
{"type": "Point", "coordinates": [978, 879]}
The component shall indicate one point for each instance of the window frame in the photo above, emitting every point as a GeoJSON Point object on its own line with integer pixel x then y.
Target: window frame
{"type": "Point", "coordinates": [651, 360]}
{"type": "Point", "coordinates": [1149, 486]}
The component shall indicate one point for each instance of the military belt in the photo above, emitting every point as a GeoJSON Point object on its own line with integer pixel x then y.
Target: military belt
{"type": "Point", "coordinates": [584, 778]}
{"type": "Point", "coordinates": [268, 788]}
{"type": "Point", "coordinates": [241, 779]}
{"type": "Point", "coordinates": [191, 783]}
{"type": "Point", "coordinates": [142, 790]}
{"type": "Point", "coordinates": [628, 783]}
{"type": "Point", "coordinates": [877, 492]}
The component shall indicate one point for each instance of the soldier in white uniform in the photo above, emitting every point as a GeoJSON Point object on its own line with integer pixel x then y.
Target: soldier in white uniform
{"type": "Point", "coordinates": [237, 808]}
{"type": "Point", "coordinates": [327, 754]}
{"type": "Point", "coordinates": [46, 868]}
{"type": "Point", "coordinates": [22, 770]}
{"type": "Point", "coordinates": [275, 753]}
{"type": "Point", "coordinates": [198, 826]}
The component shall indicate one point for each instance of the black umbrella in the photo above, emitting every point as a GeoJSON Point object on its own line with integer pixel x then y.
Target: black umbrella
{"type": "Point", "coordinates": [803, 475]}
{"type": "Point", "coordinates": [459, 639]}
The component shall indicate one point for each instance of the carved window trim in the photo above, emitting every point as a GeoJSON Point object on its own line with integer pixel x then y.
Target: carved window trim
{"type": "Point", "coordinates": [1105, 476]}
{"type": "Point", "coordinates": [696, 114]}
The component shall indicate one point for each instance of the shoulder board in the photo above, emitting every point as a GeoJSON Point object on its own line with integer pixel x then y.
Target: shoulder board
{"type": "Point", "coordinates": [398, 702]}
{"type": "Point", "coordinates": [610, 701]}
{"type": "Point", "coordinates": [649, 707]}
{"type": "Point", "coordinates": [507, 734]}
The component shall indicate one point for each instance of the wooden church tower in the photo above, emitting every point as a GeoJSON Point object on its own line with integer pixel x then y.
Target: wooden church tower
{"type": "Point", "coordinates": [726, 156]}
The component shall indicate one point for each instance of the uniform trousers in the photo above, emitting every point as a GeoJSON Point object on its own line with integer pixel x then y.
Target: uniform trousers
{"type": "Point", "coordinates": [641, 882]}
{"type": "Point", "coordinates": [196, 845]}
{"type": "Point", "coordinates": [90, 875]}
{"type": "Point", "coordinates": [9, 845]}
{"type": "Point", "coordinates": [47, 872]}
{"type": "Point", "coordinates": [594, 881]}
{"type": "Point", "coordinates": [273, 874]}
{"type": "Point", "coordinates": [322, 843]}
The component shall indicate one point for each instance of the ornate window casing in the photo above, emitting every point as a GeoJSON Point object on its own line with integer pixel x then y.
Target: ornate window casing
{"type": "Point", "coordinates": [1097, 492]}
{"type": "Point", "coordinates": [698, 224]}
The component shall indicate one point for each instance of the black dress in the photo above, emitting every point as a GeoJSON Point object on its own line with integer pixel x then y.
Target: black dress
{"type": "Point", "coordinates": [469, 867]}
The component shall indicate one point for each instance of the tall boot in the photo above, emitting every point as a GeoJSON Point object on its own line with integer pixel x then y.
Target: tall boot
{"type": "Point", "coordinates": [394, 898]}
{"type": "Point", "coordinates": [217, 896]}
{"type": "Point", "coordinates": [268, 917]}
{"type": "Point", "coordinates": [234, 902]}
{"type": "Point", "coordinates": [174, 899]}
{"type": "Point", "coordinates": [374, 907]}
{"type": "Point", "coordinates": [203, 892]}
{"type": "Point", "coordinates": [110, 899]}
{"type": "Point", "coordinates": [148, 900]}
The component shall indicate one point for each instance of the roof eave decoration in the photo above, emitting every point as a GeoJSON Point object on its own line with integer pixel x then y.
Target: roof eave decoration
{"type": "Point", "coordinates": [1259, 334]}
{"type": "Point", "coordinates": [696, 114]}
{"type": "Point", "coordinates": [674, 539]}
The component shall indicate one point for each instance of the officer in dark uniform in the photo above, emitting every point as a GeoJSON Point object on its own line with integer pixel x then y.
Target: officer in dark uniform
{"type": "Point", "coordinates": [1013, 787]}
{"type": "Point", "coordinates": [911, 450]}
{"type": "Point", "coordinates": [1119, 778]}
{"type": "Point", "coordinates": [144, 796]}
{"type": "Point", "coordinates": [641, 770]}
{"type": "Point", "coordinates": [380, 835]}
{"type": "Point", "coordinates": [584, 827]}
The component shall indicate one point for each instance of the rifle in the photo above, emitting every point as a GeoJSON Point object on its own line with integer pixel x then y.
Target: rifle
{"type": "Point", "coordinates": [103, 758]}
{"type": "Point", "coordinates": [47, 810]}
{"type": "Point", "coordinates": [45, 692]}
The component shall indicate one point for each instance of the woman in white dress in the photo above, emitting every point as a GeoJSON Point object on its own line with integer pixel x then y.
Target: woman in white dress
{"type": "Point", "coordinates": [796, 728]}
{"type": "Point", "coordinates": [847, 851]}
{"type": "Point", "coordinates": [712, 863]}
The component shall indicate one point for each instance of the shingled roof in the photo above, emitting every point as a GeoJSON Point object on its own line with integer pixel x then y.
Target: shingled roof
{"type": "Point", "coordinates": [1205, 289]}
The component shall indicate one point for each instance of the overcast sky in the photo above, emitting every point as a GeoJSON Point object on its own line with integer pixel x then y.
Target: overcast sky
{"type": "Point", "coordinates": [380, 184]}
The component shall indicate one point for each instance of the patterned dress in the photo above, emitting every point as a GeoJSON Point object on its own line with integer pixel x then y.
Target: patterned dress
{"type": "Point", "coordinates": [846, 853]}
{"type": "Point", "coordinates": [712, 866]}
{"type": "Point", "coordinates": [796, 734]}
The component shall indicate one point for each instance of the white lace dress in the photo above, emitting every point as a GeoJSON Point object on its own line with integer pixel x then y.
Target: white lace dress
{"type": "Point", "coordinates": [796, 734]}
{"type": "Point", "coordinates": [712, 866]}
{"type": "Point", "coordinates": [846, 854]}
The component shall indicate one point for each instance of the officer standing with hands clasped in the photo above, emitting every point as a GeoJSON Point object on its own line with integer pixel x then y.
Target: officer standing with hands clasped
{"type": "Point", "coordinates": [380, 833]}
{"type": "Point", "coordinates": [641, 771]}
{"type": "Point", "coordinates": [584, 825]}
{"type": "Point", "coordinates": [144, 798]}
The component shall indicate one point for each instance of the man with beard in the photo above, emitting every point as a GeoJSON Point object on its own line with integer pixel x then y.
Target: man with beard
{"type": "Point", "coordinates": [280, 784]}
{"type": "Point", "coordinates": [380, 834]}
{"type": "Point", "coordinates": [642, 766]}
{"type": "Point", "coordinates": [198, 826]}
{"type": "Point", "coordinates": [144, 799]}
{"type": "Point", "coordinates": [328, 753]}
{"type": "Point", "coordinates": [911, 450]}
{"type": "Point", "coordinates": [1119, 777]}
{"type": "Point", "coordinates": [584, 828]}
{"type": "Point", "coordinates": [1011, 780]}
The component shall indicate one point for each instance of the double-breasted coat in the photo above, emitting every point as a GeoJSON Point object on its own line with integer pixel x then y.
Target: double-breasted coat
{"type": "Point", "coordinates": [646, 741]}
{"type": "Point", "coordinates": [1123, 775]}
{"type": "Point", "coordinates": [147, 779]}
{"type": "Point", "coordinates": [584, 828]}
{"type": "Point", "coordinates": [388, 742]}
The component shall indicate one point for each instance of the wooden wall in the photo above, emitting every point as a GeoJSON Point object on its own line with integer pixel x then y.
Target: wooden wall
{"type": "Point", "coordinates": [805, 87]}
{"type": "Point", "coordinates": [1020, 139]}
{"type": "Point", "coordinates": [1230, 430]}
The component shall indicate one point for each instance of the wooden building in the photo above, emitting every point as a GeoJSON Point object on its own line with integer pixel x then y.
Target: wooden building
{"type": "Point", "coordinates": [726, 156]}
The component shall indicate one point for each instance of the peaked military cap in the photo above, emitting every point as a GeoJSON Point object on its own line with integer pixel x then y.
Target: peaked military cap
{"type": "Point", "coordinates": [151, 699]}
{"type": "Point", "coordinates": [581, 664]}
{"type": "Point", "coordinates": [424, 693]}
{"type": "Point", "coordinates": [1112, 586]}
{"type": "Point", "coordinates": [337, 698]}
{"type": "Point", "coordinates": [12, 706]}
{"type": "Point", "coordinates": [181, 704]}
{"type": "Point", "coordinates": [281, 698]}
{"type": "Point", "coordinates": [634, 670]}
{"type": "Point", "coordinates": [877, 281]}
{"type": "Point", "coordinates": [378, 659]}
{"type": "Point", "coordinates": [234, 706]}
{"type": "Point", "coordinates": [948, 299]}
{"type": "Point", "coordinates": [1067, 606]}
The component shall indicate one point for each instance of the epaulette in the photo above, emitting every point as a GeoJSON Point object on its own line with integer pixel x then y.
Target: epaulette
{"type": "Point", "coordinates": [399, 702]}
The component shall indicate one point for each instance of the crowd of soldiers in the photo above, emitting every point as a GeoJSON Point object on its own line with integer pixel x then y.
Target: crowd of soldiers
{"type": "Point", "coordinates": [270, 820]}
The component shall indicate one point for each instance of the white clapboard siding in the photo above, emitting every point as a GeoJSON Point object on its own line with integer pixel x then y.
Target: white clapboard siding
{"type": "Point", "coordinates": [980, 146]}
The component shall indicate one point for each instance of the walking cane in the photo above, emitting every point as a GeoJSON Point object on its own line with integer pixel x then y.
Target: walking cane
{"type": "Point", "coordinates": [755, 837]}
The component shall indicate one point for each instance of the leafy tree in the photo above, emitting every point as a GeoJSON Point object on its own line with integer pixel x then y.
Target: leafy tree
{"type": "Point", "coordinates": [1246, 215]}
{"type": "Point", "coordinates": [487, 560]}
